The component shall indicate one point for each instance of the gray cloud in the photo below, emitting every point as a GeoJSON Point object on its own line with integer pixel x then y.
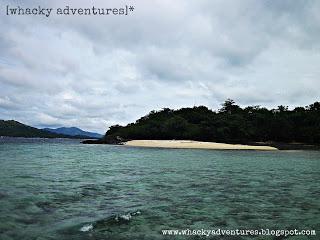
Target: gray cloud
{"type": "Point", "coordinates": [93, 72]}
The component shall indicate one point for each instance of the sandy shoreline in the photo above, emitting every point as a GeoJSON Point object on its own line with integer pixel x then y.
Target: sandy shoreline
{"type": "Point", "coordinates": [188, 144]}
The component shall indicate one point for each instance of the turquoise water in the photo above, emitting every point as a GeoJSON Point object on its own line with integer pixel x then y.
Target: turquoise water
{"type": "Point", "coordinates": [66, 190]}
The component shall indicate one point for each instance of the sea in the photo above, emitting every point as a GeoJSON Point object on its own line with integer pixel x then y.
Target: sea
{"type": "Point", "coordinates": [62, 189]}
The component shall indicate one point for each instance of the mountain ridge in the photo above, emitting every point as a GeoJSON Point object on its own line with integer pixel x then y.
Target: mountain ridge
{"type": "Point", "coordinates": [13, 128]}
{"type": "Point", "coordinates": [73, 131]}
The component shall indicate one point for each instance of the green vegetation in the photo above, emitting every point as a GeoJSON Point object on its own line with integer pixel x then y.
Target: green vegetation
{"type": "Point", "coordinates": [230, 124]}
{"type": "Point", "coordinates": [13, 128]}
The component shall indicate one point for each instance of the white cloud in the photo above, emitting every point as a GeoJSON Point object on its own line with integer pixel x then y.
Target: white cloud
{"type": "Point", "coordinates": [93, 72]}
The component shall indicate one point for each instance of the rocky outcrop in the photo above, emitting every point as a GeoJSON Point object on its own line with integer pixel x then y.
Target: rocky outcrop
{"type": "Point", "coordinates": [116, 140]}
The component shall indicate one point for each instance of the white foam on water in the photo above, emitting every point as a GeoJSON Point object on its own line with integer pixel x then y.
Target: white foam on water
{"type": "Point", "coordinates": [126, 217]}
{"type": "Point", "coordinates": [86, 228]}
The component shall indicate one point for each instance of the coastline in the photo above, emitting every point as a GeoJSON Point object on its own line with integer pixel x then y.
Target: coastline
{"type": "Point", "coordinates": [189, 144]}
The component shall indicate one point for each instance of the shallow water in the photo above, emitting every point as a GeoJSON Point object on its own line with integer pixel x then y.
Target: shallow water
{"type": "Point", "coordinates": [59, 189]}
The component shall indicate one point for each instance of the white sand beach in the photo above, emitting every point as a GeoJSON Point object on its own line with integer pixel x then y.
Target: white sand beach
{"type": "Point", "coordinates": [195, 145]}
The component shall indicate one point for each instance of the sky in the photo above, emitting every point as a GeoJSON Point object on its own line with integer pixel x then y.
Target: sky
{"type": "Point", "coordinates": [96, 71]}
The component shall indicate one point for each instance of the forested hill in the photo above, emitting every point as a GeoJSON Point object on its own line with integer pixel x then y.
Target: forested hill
{"type": "Point", "coordinates": [229, 124]}
{"type": "Point", "coordinates": [13, 128]}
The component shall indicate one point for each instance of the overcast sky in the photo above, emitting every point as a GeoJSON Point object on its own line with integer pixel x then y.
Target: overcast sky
{"type": "Point", "coordinates": [93, 72]}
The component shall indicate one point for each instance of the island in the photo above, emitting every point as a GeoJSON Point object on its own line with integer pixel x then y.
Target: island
{"type": "Point", "coordinates": [230, 127]}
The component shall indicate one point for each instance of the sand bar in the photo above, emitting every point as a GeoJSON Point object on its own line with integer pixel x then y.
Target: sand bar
{"type": "Point", "coordinates": [195, 145]}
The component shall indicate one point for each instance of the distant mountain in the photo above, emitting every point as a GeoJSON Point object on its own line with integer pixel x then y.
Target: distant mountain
{"type": "Point", "coordinates": [13, 128]}
{"type": "Point", "coordinates": [73, 131]}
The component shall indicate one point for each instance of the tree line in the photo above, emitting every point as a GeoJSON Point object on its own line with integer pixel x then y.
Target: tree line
{"type": "Point", "coordinates": [230, 124]}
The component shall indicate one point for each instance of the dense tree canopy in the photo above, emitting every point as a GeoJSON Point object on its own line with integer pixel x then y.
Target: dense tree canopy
{"type": "Point", "coordinates": [229, 124]}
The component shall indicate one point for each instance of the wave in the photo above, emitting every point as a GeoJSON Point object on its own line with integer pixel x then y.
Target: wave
{"type": "Point", "coordinates": [117, 219]}
{"type": "Point", "coordinates": [86, 228]}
